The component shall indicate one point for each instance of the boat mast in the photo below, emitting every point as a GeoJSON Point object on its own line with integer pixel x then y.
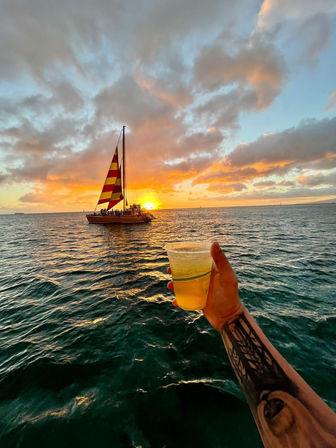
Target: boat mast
{"type": "Point", "coordinates": [124, 176]}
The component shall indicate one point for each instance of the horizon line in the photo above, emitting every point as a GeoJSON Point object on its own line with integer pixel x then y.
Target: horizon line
{"type": "Point", "coordinates": [328, 202]}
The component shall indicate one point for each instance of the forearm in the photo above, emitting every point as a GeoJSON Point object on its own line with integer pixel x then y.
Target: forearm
{"type": "Point", "coordinates": [287, 411]}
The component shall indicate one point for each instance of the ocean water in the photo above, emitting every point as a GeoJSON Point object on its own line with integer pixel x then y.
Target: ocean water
{"type": "Point", "coordinates": [92, 353]}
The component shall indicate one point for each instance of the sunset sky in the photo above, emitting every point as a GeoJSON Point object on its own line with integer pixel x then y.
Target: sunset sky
{"type": "Point", "coordinates": [225, 102]}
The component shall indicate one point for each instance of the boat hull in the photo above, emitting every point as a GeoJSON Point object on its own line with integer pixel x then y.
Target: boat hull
{"type": "Point", "coordinates": [124, 219]}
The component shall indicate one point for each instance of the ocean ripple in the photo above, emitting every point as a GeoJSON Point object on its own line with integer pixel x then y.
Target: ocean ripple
{"type": "Point", "coordinates": [93, 352]}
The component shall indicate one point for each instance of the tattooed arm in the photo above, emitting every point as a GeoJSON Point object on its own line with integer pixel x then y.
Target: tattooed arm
{"type": "Point", "coordinates": [288, 413]}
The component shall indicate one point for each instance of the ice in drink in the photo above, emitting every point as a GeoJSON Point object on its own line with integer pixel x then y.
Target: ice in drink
{"type": "Point", "coordinates": [191, 264]}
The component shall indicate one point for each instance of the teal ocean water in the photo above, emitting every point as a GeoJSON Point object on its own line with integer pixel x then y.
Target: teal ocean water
{"type": "Point", "coordinates": [92, 353]}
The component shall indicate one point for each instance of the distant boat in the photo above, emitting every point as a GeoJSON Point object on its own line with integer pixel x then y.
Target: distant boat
{"type": "Point", "coordinates": [18, 213]}
{"type": "Point", "coordinates": [113, 192]}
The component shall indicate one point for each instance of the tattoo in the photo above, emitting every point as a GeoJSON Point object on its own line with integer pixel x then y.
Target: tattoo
{"type": "Point", "coordinates": [283, 417]}
{"type": "Point", "coordinates": [254, 365]}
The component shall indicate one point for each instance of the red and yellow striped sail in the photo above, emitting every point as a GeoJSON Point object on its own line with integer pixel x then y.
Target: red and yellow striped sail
{"type": "Point", "coordinates": [112, 191]}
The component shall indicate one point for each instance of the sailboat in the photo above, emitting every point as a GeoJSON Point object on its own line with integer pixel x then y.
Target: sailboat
{"type": "Point", "coordinates": [113, 192]}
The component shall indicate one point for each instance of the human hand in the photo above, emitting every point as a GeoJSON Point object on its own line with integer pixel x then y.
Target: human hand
{"type": "Point", "coordinates": [223, 302]}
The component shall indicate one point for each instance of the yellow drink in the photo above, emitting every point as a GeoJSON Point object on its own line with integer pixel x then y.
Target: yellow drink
{"type": "Point", "coordinates": [190, 264]}
{"type": "Point", "coordinates": [192, 294]}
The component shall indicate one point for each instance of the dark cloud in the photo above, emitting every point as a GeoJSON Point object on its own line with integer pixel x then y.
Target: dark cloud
{"type": "Point", "coordinates": [3, 178]}
{"type": "Point", "coordinates": [170, 18]}
{"type": "Point", "coordinates": [199, 142]}
{"type": "Point", "coordinates": [304, 24]}
{"type": "Point", "coordinates": [311, 141]}
{"type": "Point", "coordinates": [33, 198]}
{"type": "Point", "coordinates": [221, 172]}
{"type": "Point", "coordinates": [254, 63]}
{"type": "Point", "coordinates": [292, 193]}
{"type": "Point", "coordinates": [27, 27]}
{"type": "Point", "coordinates": [128, 102]}
{"type": "Point", "coordinates": [42, 37]}
{"type": "Point", "coordinates": [68, 96]}
{"type": "Point", "coordinates": [264, 184]}
{"type": "Point", "coordinates": [276, 195]}
{"type": "Point", "coordinates": [223, 110]}
{"type": "Point", "coordinates": [163, 31]}
{"type": "Point", "coordinates": [315, 33]}
{"type": "Point", "coordinates": [286, 183]}
{"type": "Point", "coordinates": [273, 12]}
{"type": "Point", "coordinates": [227, 187]}
{"type": "Point", "coordinates": [318, 179]}
{"type": "Point", "coordinates": [33, 170]}
{"type": "Point", "coordinates": [50, 155]}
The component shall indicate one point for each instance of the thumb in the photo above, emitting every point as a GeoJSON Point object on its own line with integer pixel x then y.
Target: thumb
{"type": "Point", "coordinates": [220, 259]}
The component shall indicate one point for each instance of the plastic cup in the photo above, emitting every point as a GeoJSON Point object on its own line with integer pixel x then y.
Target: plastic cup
{"type": "Point", "coordinates": [191, 264]}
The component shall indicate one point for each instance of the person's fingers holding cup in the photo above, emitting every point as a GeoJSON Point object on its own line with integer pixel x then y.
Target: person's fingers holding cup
{"type": "Point", "coordinates": [170, 286]}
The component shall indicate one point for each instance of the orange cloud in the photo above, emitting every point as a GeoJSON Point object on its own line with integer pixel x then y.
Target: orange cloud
{"type": "Point", "coordinates": [75, 178]}
{"type": "Point", "coordinates": [309, 145]}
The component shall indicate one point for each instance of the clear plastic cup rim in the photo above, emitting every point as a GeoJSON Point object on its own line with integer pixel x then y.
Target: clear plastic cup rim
{"type": "Point", "coordinates": [205, 250]}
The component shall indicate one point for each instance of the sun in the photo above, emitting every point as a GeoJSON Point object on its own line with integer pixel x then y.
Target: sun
{"type": "Point", "coordinates": [149, 205]}
{"type": "Point", "coordinates": [149, 201]}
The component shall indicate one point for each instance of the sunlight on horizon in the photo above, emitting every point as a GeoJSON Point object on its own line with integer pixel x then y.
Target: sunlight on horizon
{"type": "Point", "coordinates": [149, 205]}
